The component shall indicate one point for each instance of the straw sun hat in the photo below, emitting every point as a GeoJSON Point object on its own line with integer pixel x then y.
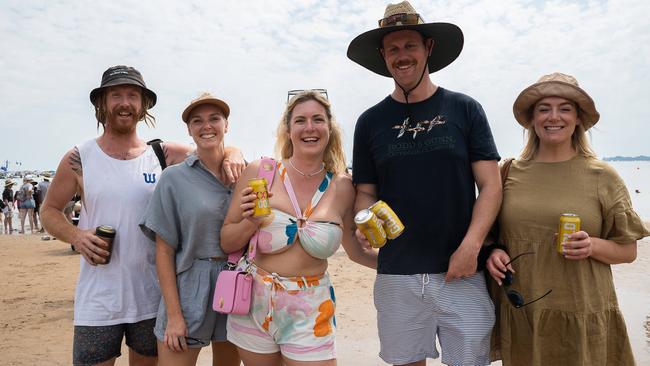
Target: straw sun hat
{"type": "Point", "coordinates": [447, 39]}
{"type": "Point", "coordinates": [206, 98]}
{"type": "Point", "coordinates": [8, 183]}
{"type": "Point", "coordinates": [555, 85]}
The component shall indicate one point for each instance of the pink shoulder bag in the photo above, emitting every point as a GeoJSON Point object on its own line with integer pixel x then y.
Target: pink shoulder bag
{"type": "Point", "coordinates": [234, 287]}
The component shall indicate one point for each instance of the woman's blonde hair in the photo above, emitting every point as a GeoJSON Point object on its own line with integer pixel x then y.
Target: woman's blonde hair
{"type": "Point", "coordinates": [334, 156]}
{"type": "Point", "coordinates": [579, 139]}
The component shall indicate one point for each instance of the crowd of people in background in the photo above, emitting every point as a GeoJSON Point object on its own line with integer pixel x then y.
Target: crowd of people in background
{"type": "Point", "coordinates": [26, 202]}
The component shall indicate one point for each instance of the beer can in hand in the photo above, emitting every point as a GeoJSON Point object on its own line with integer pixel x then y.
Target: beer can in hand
{"type": "Point", "coordinates": [392, 224]}
{"type": "Point", "coordinates": [369, 225]}
{"type": "Point", "coordinates": [569, 224]}
{"type": "Point", "coordinates": [107, 234]}
{"type": "Point", "coordinates": [262, 207]}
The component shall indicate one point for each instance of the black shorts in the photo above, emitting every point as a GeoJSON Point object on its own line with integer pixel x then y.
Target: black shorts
{"type": "Point", "coordinates": [93, 345]}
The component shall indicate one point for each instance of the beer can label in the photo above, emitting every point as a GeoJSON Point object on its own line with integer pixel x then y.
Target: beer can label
{"type": "Point", "coordinates": [369, 225]}
{"type": "Point", "coordinates": [569, 224]}
{"type": "Point", "coordinates": [262, 207]}
{"type": "Point", "coordinates": [392, 224]}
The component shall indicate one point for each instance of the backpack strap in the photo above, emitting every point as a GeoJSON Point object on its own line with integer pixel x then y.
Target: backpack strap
{"type": "Point", "coordinates": [156, 145]}
{"type": "Point", "coordinates": [267, 171]}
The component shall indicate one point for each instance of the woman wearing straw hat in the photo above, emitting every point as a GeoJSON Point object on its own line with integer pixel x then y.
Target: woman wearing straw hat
{"type": "Point", "coordinates": [184, 217]}
{"type": "Point", "coordinates": [578, 322]}
{"type": "Point", "coordinates": [292, 311]}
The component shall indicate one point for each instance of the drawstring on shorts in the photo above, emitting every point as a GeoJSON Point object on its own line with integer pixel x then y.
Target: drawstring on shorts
{"type": "Point", "coordinates": [425, 281]}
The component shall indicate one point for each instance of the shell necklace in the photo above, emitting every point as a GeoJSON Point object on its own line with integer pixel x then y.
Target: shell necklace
{"type": "Point", "coordinates": [322, 166]}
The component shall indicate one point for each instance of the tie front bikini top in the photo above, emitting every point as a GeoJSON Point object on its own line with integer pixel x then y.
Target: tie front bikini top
{"type": "Point", "coordinates": [320, 239]}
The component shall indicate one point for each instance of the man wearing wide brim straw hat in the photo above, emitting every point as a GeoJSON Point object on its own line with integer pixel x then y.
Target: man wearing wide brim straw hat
{"type": "Point", "coordinates": [116, 174]}
{"type": "Point", "coordinates": [422, 150]}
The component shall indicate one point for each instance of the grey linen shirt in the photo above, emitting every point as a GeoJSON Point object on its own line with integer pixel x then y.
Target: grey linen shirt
{"type": "Point", "coordinates": [187, 210]}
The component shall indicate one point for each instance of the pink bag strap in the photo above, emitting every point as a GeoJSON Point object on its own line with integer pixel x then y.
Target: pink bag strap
{"type": "Point", "coordinates": [266, 170]}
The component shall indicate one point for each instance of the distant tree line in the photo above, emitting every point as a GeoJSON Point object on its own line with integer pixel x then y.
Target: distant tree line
{"type": "Point", "coordinates": [627, 158]}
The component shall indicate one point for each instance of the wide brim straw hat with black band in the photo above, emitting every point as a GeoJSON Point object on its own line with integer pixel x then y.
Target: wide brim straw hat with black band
{"type": "Point", "coordinates": [121, 75]}
{"type": "Point", "coordinates": [447, 39]}
{"type": "Point", "coordinates": [555, 85]}
{"type": "Point", "coordinates": [205, 98]}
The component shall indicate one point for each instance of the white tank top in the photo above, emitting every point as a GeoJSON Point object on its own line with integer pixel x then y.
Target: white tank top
{"type": "Point", "coordinates": [116, 193]}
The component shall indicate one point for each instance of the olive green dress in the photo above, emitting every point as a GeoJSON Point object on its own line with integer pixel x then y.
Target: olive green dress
{"type": "Point", "coordinates": [579, 323]}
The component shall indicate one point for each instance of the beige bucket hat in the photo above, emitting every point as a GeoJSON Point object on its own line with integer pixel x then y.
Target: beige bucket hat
{"type": "Point", "coordinates": [206, 98]}
{"type": "Point", "coordinates": [555, 85]}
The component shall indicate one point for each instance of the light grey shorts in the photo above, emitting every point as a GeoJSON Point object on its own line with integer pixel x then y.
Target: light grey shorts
{"type": "Point", "coordinates": [412, 310]}
{"type": "Point", "coordinates": [195, 290]}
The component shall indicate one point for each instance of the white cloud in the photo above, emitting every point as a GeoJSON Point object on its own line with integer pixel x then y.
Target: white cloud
{"type": "Point", "coordinates": [250, 53]}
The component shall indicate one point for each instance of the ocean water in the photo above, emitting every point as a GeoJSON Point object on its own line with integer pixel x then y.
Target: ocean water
{"type": "Point", "coordinates": [636, 175]}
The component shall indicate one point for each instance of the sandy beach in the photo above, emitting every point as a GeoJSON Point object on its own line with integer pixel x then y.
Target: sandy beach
{"type": "Point", "coordinates": [38, 291]}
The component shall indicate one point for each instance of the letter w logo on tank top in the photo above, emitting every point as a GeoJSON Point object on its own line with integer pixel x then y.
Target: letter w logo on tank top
{"type": "Point", "coordinates": [149, 178]}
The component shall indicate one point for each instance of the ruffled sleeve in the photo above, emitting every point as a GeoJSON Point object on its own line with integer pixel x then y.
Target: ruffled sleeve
{"type": "Point", "coordinates": [621, 223]}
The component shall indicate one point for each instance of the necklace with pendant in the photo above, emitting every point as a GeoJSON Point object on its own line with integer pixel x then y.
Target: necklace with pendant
{"type": "Point", "coordinates": [322, 166]}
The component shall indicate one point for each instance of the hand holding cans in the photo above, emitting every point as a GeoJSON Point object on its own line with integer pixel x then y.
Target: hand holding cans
{"type": "Point", "coordinates": [367, 221]}
{"type": "Point", "coordinates": [107, 234]}
{"type": "Point", "coordinates": [569, 224]}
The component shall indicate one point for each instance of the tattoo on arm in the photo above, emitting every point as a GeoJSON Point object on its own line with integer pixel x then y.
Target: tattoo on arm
{"type": "Point", "coordinates": [75, 162]}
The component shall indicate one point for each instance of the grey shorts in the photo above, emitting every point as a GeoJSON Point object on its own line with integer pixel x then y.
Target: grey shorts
{"type": "Point", "coordinates": [96, 344]}
{"type": "Point", "coordinates": [412, 310]}
{"type": "Point", "coordinates": [195, 290]}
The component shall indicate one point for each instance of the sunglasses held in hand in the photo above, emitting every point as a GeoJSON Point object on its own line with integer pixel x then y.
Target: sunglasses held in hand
{"type": "Point", "coordinates": [191, 341]}
{"type": "Point", "coordinates": [515, 297]}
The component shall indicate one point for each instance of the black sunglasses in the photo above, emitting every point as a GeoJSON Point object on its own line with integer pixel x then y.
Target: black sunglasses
{"type": "Point", "coordinates": [191, 341]}
{"type": "Point", "coordinates": [400, 19]}
{"type": "Point", "coordinates": [515, 297]}
{"type": "Point", "coordinates": [294, 92]}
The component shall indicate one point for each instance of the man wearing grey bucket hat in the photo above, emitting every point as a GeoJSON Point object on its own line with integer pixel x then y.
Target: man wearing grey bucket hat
{"type": "Point", "coordinates": [422, 150]}
{"type": "Point", "coordinates": [115, 174]}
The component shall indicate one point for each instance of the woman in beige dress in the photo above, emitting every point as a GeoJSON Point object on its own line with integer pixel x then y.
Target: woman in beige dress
{"type": "Point", "coordinates": [578, 322]}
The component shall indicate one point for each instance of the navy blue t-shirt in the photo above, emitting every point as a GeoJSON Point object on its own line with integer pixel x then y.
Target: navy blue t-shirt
{"type": "Point", "coordinates": [422, 169]}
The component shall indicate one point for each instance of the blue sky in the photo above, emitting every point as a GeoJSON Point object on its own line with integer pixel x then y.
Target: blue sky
{"type": "Point", "coordinates": [250, 53]}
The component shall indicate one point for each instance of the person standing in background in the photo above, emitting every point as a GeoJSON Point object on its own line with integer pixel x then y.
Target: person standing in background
{"type": "Point", "coordinates": [41, 188]}
{"type": "Point", "coordinates": [26, 203]}
{"type": "Point", "coordinates": [8, 200]}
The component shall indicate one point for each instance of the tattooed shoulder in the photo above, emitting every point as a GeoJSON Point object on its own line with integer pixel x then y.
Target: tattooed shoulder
{"type": "Point", "coordinates": [75, 162]}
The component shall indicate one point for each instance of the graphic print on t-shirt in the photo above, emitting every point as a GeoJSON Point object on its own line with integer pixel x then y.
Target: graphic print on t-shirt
{"type": "Point", "coordinates": [425, 143]}
{"type": "Point", "coordinates": [419, 127]}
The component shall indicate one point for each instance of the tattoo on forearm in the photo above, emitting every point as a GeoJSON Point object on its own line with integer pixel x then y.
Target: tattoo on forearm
{"type": "Point", "coordinates": [75, 162]}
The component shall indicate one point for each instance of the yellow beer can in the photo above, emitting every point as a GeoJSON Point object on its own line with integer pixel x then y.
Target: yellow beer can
{"type": "Point", "coordinates": [569, 224]}
{"type": "Point", "coordinates": [392, 224]}
{"type": "Point", "coordinates": [369, 225]}
{"type": "Point", "coordinates": [262, 207]}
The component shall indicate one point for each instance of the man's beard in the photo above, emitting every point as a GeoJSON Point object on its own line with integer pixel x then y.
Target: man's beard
{"type": "Point", "coordinates": [122, 128]}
